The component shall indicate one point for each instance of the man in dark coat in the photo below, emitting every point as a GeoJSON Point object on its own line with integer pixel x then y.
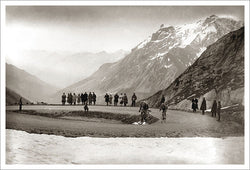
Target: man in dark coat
{"type": "Point", "coordinates": [94, 98]}
{"type": "Point", "coordinates": [162, 99]}
{"type": "Point", "coordinates": [125, 99]}
{"type": "Point", "coordinates": [70, 98]}
{"type": "Point", "coordinates": [218, 110]}
{"type": "Point", "coordinates": [82, 98]}
{"type": "Point", "coordinates": [85, 98]}
{"type": "Point", "coordinates": [116, 98]}
{"type": "Point", "coordinates": [63, 99]}
{"type": "Point", "coordinates": [214, 109]}
{"type": "Point", "coordinates": [203, 106]}
{"type": "Point", "coordinates": [20, 104]}
{"type": "Point", "coordinates": [134, 98]}
{"type": "Point", "coordinates": [90, 98]}
{"type": "Point", "coordinates": [107, 98]}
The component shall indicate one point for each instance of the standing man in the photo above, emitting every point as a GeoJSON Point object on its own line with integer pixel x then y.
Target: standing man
{"type": "Point", "coordinates": [125, 99]}
{"type": "Point", "coordinates": [134, 98]}
{"type": "Point", "coordinates": [218, 110]}
{"type": "Point", "coordinates": [63, 99]}
{"type": "Point", "coordinates": [110, 98]}
{"type": "Point", "coordinates": [214, 109]}
{"type": "Point", "coordinates": [94, 98]}
{"type": "Point", "coordinates": [164, 108]}
{"type": "Point", "coordinates": [90, 98]}
{"type": "Point", "coordinates": [116, 97]}
{"type": "Point", "coordinates": [82, 98]}
{"type": "Point", "coordinates": [107, 98]}
{"type": "Point", "coordinates": [20, 104]}
{"type": "Point", "coordinates": [74, 99]}
{"type": "Point", "coordinates": [203, 106]}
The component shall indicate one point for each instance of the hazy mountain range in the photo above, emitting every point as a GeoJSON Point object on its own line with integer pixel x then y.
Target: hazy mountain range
{"type": "Point", "coordinates": [217, 74]}
{"type": "Point", "coordinates": [156, 62]}
{"type": "Point", "coordinates": [62, 68]}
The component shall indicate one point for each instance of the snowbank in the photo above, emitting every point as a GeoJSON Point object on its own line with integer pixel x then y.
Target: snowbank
{"type": "Point", "coordinates": [25, 148]}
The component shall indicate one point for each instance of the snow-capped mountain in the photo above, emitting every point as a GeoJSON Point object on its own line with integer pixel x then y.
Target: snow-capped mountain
{"type": "Point", "coordinates": [154, 63]}
{"type": "Point", "coordinates": [218, 74]}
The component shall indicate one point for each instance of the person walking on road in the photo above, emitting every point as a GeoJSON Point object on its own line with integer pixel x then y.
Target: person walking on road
{"type": "Point", "coordinates": [164, 108]}
{"type": "Point", "coordinates": [203, 106]}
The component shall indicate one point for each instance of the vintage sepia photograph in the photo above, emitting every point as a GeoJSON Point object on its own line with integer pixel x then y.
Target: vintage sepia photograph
{"type": "Point", "coordinates": [125, 83]}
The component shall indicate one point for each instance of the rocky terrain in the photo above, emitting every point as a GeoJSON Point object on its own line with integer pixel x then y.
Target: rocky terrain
{"type": "Point", "coordinates": [217, 74]}
{"type": "Point", "coordinates": [156, 62]}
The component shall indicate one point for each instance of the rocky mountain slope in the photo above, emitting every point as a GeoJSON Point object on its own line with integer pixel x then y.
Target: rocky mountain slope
{"type": "Point", "coordinates": [157, 61]}
{"type": "Point", "coordinates": [27, 85]}
{"type": "Point", "coordinates": [13, 98]}
{"type": "Point", "coordinates": [218, 74]}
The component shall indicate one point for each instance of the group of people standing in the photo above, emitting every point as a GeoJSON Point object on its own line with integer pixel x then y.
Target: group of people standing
{"type": "Point", "coordinates": [123, 99]}
{"type": "Point", "coordinates": [80, 98]}
{"type": "Point", "coordinates": [216, 108]}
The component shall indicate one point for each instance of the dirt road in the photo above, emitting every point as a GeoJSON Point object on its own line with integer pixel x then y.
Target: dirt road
{"type": "Point", "coordinates": [179, 124]}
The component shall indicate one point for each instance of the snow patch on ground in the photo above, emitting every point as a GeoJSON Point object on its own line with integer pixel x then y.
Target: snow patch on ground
{"type": "Point", "coordinates": [25, 148]}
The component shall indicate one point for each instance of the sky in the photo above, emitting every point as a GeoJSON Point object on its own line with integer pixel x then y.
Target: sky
{"type": "Point", "coordinates": [35, 33]}
{"type": "Point", "coordinates": [99, 28]}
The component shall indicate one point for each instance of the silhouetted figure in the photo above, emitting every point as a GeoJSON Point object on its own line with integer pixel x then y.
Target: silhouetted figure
{"type": "Point", "coordinates": [85, 97]}
{"type": "Point", "coordinates": [144, 111]}
{"type": "Point", "coordinates": [63, 99]}
{"type": "Point", "coordinates": [110, 98]}
{"type": "Point", "coordinates": [164, 108]}
{"type": "Point", "coordinates": [194, 104]}
{"type": "Point", "coordinates": [70, 98]}
{"type": "Point", "coordinates": [218, 110]}
{"type": "Point", "coordinates": [162, 99]}
{"type": "Point", "coordinates": [121, 97]}
{"type": "Point", "coordinates": [134, 98]}
{"type": "Point", "coordinates": [125, 99]}
{"type": "Point", "coordinates": [82, 98]}
{"type": "Point", "coordinates": [79, 99]}
{"type": "Point", "coordinates": [20, 104]}
{"type": "Point", "coordinates": [90, 98]}
{"type": "Point", "coordinates": [94, 98]}
{"type": "Point", "coordinates": [107, 98]}
{"type": "Point", "coordinates": [214, 109]}
{"type": "Point", "coordinates": [116, 98]}
{"type": "Point", "coordinates": [86, 108]}
{"type": "Point", "coordinates": [203, 106]}
{"type": "Point", "coordinates": [74, 98]}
